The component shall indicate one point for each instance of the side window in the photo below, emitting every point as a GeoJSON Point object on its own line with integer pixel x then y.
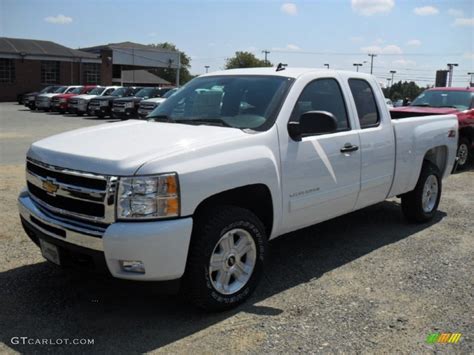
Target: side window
{"type": "Point", "coordinates": [323, 95]}
{"type": "Point", "coordinates": [108, 92]}
{"type": "Point", "coordinates": [365, 103]}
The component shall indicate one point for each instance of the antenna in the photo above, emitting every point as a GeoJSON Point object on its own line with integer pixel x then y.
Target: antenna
{"type": "Point", "coordinates": [281, 66]}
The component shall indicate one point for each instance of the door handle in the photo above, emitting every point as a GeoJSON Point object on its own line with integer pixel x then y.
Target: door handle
{"type": "Point", "coordinates": [348, 147]}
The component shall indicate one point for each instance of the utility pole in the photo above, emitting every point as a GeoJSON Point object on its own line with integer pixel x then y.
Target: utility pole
{"type": "Point", "coordinates": [207, 68]}
{"type": "Point", "coordinates": [357, 65]}
{"type": "Point", "coordinates": [326, 65]}
{"type": "Point", "coordinates": [266, 52]}
{"type": "Point", "coordinates": [451, 70]}
{"type": "Point", "coordinates": [178, 69]}
{"type": "Point", "coordinates": [372, 62]}
{"type": "Point", "coordinates": [392, 72]}
{"type": "Point", "coordinates": [471, 82]}
{"type": "Point", "coordinates": [388, 83]}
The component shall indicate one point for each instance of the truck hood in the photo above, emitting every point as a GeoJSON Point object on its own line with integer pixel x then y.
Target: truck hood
{"type": "Point", "coordinates": [130, 99]}
{"type": "Point", "coordinates": [85, 96]}
{"type": "Point", "coordinates": [426, 110]}
{"type": "Point", "coordinates": [155, 100]}
{"type": "Point", "coordinates": [122, 148]}
{"type": "Point", "coordinates": [49, 95]}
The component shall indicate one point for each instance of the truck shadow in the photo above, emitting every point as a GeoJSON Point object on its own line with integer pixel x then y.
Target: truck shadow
{"type": "Point", "coordinates": [41, 301]}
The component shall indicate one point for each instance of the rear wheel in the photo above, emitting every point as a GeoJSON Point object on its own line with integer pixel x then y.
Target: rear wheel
{"type": "Point", "coordinates": [226, 258]}
{"type": "Point", "coordinates": [421, 204]}
{"type": "Point", "coordinates": [463, 153]}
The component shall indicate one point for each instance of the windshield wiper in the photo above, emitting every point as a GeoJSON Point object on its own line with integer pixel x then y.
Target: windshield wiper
{"type": "Point", "coordinates": [212, 121]}
{"type": "Point", "coordinates": [161, 118]}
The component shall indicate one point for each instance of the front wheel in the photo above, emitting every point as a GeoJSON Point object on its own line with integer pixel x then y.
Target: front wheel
{"type": "Point", "coordinates": [421, 204]}
{"type": "Point", "coordinates": [226, 258]}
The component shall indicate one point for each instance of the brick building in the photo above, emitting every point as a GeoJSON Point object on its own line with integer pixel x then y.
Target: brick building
{"type": "Point", "coordinates": [29, 65]}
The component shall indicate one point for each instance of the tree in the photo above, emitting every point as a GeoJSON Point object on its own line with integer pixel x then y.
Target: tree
{"type": "Point", "coordinates": [169, 74]}
{"type": "Point", "coordinates": [245, 60]}
{"type": "Point", "coordinates": [401, 90]}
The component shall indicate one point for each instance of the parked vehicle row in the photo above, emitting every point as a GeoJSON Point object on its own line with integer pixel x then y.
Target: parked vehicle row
{"type": "Point", "coordinates": [101, 101]}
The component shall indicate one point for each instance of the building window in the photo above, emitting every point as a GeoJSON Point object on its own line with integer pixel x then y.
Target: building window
{"type": "Point", "coordinates": [7, 71]}
{"type": "Point", "coordinates": [91, 73]}
{"type": "Point", "coordinates": [50, 72]}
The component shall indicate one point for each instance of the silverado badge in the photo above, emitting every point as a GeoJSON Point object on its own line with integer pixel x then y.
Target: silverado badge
{"type": "Point", "coordinates": [50, 187]}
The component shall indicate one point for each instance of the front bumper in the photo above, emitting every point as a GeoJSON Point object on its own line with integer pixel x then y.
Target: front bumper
{"type": "Point", "coordinates": [98, 110]}
{"type": "Point", "coordinates": [124, 113]}
{"type": "Point", "coordinates": [43, 104]}
{"type": "Point", "coordinates": [162, 246]}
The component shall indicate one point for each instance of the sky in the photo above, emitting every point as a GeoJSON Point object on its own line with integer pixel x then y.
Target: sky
{"type": "Point", "coordinates": [414, 38]}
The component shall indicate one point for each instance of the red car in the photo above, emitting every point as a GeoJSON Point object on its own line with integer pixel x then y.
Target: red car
{"type": "Point", "coordinates": [442, 101]}
{"type": "Point", "coordinates": [60, 103]}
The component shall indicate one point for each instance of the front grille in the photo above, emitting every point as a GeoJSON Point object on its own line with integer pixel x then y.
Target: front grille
{"type": "Point", "coordinates": [149, 106]}
{"type": "Point", "coordinates": [119, 104]}
{"type": "Point", "coordinates": [73, 101]}
{"type": "Point", "coordinates": [95, 103]}
{"type": "Point", "coordinates": [55, 99]}
{"type": "Point", "coordinates": [42, 99]}
{"type": "Point", "coordinates": [79, 195]}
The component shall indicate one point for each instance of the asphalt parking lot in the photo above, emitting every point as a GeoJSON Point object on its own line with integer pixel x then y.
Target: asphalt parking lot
{"type": "Point", "coordinates": [364, 282]}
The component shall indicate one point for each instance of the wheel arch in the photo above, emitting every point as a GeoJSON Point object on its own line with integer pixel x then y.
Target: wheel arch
{"type": "Point", "coordinates": [257, 198]}
{"type": "Point", "coordinates": [439, 157]}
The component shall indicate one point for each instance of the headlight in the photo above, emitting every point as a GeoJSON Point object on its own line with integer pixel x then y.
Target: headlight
{"type": "Point", "coordinates": [129, 104]}
{"type": "Point", "coordinates": [104, 103]}
{"type": "Point", "coordinates": [145, 197]}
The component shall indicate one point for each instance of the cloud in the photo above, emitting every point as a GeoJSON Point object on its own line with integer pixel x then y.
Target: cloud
{"type": "Point", "coordinates": [403, 63]}
{"type": "Point", "coordinates": [372, 7]}
{"type": "Point", "coordinates": [379, 41]}
{"type": "Point", "coordinates": [289, 47]}
{"type": "Point", "coordinates": [59, 19]}
{"type": "Point", "coordinates": [464, 22]}
{"type": "Point", "coordinates": [426, 11]}
{"type": "Point", "coordinates": [390, 49]}
{"type": "Point", "coordinates": [289, 8]}
{"type": "Point", "coordinates": [455, 13]}
{"type": "Point", "coordinates": [469, 55]}
{"type": "Point", "coordinates": [414, 43]}
{"type": "Point", "coordinates": [356, 39]}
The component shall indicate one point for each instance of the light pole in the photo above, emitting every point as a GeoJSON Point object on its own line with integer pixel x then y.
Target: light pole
{"type": "Point", "coordinates": [357, 65]}
{"type": "Point", "coordinates": [392, 72]}
{"type": "Point", "coordinates": [266, 52]}
{"type": "Point", "coordinates": [388, 83]}
{"type": "Point", "coordinates": [471, 82]}
{"type": "Point", "coordinates": [326, 65]}
{"type": "Point", "coordinates": [207, 68]}
{"type": "Point", "coordinates": [372, 62]}
{"type": "Point", "coordinates": [451, 70]}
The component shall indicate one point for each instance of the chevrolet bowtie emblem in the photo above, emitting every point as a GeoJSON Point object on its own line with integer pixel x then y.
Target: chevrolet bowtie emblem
{"type": "Point", "coordinates": [50, 187]}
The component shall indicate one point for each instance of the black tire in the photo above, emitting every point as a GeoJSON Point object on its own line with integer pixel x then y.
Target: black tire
{"type": "Point", "coordinates": [463, 145]}
{"type": "Point", "coordinates": [208, 229]}
{"type": "Point", "coordinates": [412, 202]}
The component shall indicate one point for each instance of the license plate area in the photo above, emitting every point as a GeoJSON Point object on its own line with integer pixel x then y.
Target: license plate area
{"type": "Point", "coordinates": [50, 252]}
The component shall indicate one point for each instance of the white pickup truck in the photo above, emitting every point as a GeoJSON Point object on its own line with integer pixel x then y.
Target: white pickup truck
{"type": "Point", "coordinates": [232, 160]}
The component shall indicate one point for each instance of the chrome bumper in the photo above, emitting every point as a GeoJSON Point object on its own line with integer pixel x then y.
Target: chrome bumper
{"type": "Point", "coordinates": [74, 234]}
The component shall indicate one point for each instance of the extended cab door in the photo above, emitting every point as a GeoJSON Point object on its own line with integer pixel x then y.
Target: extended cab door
{"type": "Point", "coordinates": [320, 175]}
{"type": "Point", "coordinates": [377, 141]}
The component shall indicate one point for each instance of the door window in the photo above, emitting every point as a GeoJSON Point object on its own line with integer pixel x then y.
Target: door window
{"type": "Point", "coordinates": [323, 95]}
{"type": "Point", "coordinates": [365, 103]}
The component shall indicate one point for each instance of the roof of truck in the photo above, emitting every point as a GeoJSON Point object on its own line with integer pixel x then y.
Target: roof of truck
{"type": "Point", "coordinates": [451, 89]}
{"type": "Point", "coordinates": [288, 72]}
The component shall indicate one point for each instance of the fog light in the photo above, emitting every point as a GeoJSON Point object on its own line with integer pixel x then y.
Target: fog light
{"type": "Point", "coordinates": [135, 266]}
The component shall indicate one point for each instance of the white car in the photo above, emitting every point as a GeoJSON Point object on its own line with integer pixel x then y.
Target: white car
{"type": "Point", "coordinates": [389, 103]}
{"type": "Point", "coordinates": [43, 101]}
{"type": "Point", "coordinates": [148, 105]}
{"type": "Point", "coordinates": [235, 158]}
{"type": "Point", "coordinates": [78, 104]}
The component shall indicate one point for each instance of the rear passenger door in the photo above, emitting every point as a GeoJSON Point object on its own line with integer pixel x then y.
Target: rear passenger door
{"type": "Point", "coordinates": [377, 141]}
{"type": "Point", "coordinates": [321, 177]}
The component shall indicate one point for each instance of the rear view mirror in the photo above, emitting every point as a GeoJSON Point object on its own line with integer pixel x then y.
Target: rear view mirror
{"type": "Point", "coordinates": [312, 123]}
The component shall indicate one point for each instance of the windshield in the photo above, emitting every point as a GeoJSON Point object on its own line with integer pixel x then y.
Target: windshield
{"type": "Point", "coordinates": [230, 101]}
{"type": "Point", "coordinates": [47, 89]}
{"type": "Point", "coordinates": [60, 90]}
{"type": "Point", "coordinates": [75, 91]}
{"type": "Point", "coordinates": [146, 92]}
{"type": "Point", "coordinates": [169, 93]}
{"type": "Point", "coordinates": [96, 91]}
{"type": "Point", "coordinates": [119, 92]}
{"type": "Point", "coordinates": [460, 100]}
